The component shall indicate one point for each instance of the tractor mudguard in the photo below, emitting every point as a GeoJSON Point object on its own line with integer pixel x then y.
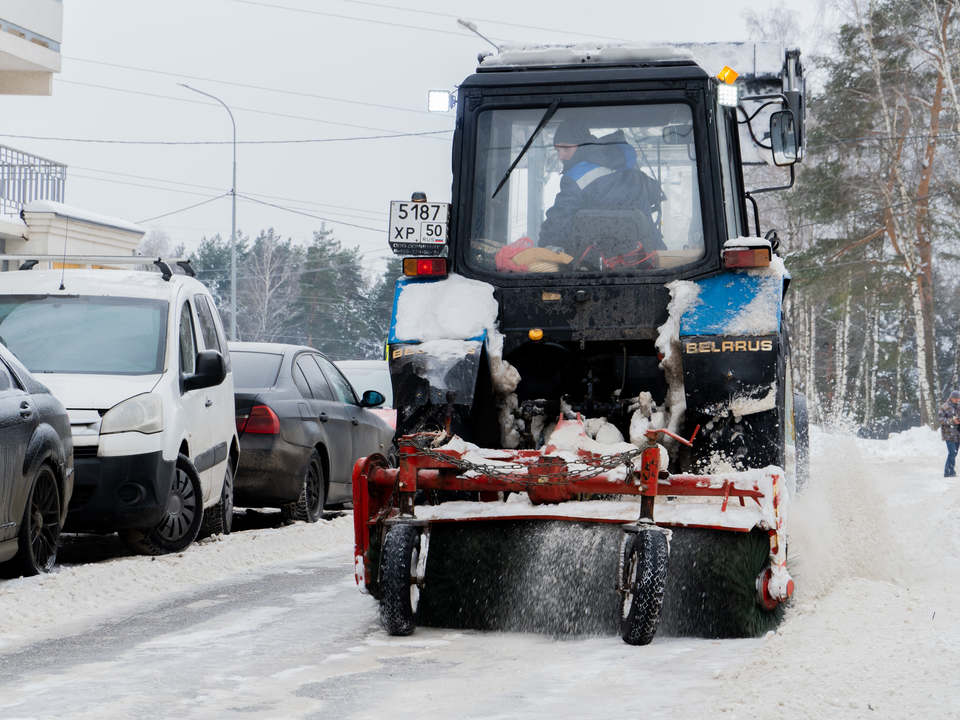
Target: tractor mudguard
{"type": "Point", "coordinates": [731, 343]}
{"type": "Point", "coordinates": [427, 373]}
{"type": "Point", "coordinates": [731, 373]}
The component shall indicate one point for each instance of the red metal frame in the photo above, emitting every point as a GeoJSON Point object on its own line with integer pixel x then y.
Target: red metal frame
{"type": "Point", "coordinates": [384, 494]}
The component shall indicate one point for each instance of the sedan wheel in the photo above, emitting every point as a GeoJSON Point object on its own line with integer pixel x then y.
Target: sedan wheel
{"type": "Point", "coordinates": [40, 530]}
{"type": "Point", "coordinates": [309, 506]}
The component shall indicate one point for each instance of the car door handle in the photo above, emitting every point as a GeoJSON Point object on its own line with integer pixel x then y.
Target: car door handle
{"type": "Point", "coordinates": [323, 417]}
{"type": "Point", "coordinates": [208, 403]}
{"type": "Point", "coordinates": [355, 421]}
{"type": "Point", "coordinates": [25, 410]}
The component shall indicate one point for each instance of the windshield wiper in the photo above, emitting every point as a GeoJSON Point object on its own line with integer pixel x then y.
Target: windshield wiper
{"type": "Point", "coordinates": [543, 121]}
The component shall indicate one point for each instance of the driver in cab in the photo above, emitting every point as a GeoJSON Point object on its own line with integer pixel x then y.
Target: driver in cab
{"type": "Point", "coordinates": [602, 218]}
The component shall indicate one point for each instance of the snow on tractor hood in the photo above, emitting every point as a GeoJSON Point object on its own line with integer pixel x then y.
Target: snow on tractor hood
{"type": "Point", "coordinates": [738, 302]}
{"type": "Point", "coordinates": [453, 309]}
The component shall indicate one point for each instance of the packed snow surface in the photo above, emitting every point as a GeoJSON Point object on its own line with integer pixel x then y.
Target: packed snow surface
{"type": "Point", "coordinates": [873, 630]}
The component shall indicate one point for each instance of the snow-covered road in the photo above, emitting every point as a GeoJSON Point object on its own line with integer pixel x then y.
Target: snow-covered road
{"type": "Point", "coordinates": [268, 623]}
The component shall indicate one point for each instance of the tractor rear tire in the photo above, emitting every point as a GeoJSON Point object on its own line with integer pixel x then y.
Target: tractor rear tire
{"type": "Point", "coordinates": [645, 578]}
{"type": "Point", "coordinates": [399, 592]}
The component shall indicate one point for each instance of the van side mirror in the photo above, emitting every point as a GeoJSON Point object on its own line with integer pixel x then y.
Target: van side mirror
{"type": "Point", "coordinates": [783, 138]}
{"type": "Point", "coordinates": [211, 371]}
{"type": "Point", "coordinates": [371, 398]}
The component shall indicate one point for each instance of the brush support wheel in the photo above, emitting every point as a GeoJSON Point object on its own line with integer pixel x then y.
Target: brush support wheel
{"type": "Point", "coordinates": [645, 576]}
{"type": "Point", "coordinates": [399, 589]}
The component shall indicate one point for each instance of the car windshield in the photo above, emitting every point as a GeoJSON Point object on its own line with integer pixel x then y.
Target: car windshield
{"type": "Point", "coordinates": [255, 369]}
{"type": "Point", "coordinates": [99, 335]}
{"type": "Point", "coordinates": [600, 189]}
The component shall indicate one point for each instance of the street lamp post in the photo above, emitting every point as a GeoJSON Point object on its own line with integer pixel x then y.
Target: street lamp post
{"type": "Point", "coordinates": [233, 230]}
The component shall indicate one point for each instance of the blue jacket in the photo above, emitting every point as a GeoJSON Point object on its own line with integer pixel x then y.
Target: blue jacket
{"type": "Point", "coordinates": [603, 174]}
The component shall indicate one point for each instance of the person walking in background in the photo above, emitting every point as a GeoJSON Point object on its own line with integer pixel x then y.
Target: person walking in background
{"type": "Point", "coordinates": [949, 417]}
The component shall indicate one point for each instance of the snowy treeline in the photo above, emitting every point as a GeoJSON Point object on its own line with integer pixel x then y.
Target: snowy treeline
{"type": "Point", "coordinates": [322, 295]}
{"type": "Point", "coordinates": [870, 232]}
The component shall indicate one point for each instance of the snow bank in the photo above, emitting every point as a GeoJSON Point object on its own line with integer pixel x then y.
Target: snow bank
{"type": "Point", "coordinates": [76, 597]}
{"type": "Point", "coordinates": [909, 443]}
{"type": "Point", "coordinates": [874, 628]}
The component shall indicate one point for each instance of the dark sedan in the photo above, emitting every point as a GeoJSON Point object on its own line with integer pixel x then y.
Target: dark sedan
{"type": "Point", "coordinates": [302, 428]}
{"type": "Point", "coordinates": [36, 475]}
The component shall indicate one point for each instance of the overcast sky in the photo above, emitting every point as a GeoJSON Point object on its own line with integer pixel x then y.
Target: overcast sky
{"type": "Point", "coordinates": [324, 72]}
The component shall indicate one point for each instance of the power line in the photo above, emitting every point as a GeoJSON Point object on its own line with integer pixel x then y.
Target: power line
{"type": "Point", "coordinates": [184, 209]}
{"type": "Point", "coordinates": [251, 87]}
{"type": "Point", "coordinates": [223, 142]}
{"type": "Point", "coordinates": [317, 217]}
{"type": "Point", "coordinates": [418, 27]}
{"type": "Point", "coordinates": [382, 214]}
{"type": "Point", "coordinates": [349, 17]}
{"type": "Point", "coordinates": [241, 109]}
{"type": "Point", "coordinates": [846, 141]}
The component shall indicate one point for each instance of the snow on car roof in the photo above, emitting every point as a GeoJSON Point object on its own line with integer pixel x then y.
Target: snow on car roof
{"type": "Point", "coordinates": [113, 283]}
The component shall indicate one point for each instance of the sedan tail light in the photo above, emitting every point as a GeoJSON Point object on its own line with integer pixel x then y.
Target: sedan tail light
{"type": "Point", "coordinates": [261, 420]}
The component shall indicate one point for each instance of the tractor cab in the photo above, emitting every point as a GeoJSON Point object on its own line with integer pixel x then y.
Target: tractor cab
{"type": "Point", "coordinates": [586, 181]}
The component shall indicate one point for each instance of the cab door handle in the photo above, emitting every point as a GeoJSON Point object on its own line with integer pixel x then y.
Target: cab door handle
{"type": "Point", "coordinates": [323, 417]}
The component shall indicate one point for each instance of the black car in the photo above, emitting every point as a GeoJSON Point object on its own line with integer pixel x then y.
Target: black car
{"type": "Point", "coordinates": [36, 475]}
{"type": "Point", "coordinates": [302, 428]}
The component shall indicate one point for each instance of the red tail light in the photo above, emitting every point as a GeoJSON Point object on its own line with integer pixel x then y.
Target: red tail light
{"type": "Point", "coordinates": [425, 267]}
{"type": "Point", "coordinates": [261, 420]}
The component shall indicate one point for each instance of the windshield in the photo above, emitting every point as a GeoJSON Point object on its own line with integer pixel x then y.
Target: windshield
{"type": "Point", "coordinates": [600, 189]}
{"type": "Point", "coordinates": [107, 336]}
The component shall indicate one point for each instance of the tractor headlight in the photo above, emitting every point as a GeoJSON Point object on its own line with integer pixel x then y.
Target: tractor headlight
{"type": "Point", "coordinates": [143, 414]}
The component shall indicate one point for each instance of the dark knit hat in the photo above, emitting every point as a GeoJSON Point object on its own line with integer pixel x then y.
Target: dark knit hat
{"type": "Point", "coordinates": [955, 395]}
{"type": "Point", "coordinates": [572, 132]}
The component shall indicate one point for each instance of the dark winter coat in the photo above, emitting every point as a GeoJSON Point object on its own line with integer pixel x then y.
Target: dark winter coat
{"type": "Point", "coordinates": [949, 430]}
{"type": "Point", "coordinates": [601, 174]}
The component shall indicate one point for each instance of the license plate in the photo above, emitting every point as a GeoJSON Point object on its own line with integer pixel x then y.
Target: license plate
{"type": "Point", "coordinates": [418, 228]}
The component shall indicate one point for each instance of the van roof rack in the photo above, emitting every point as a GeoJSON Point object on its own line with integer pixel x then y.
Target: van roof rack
{"type": "Point", "coordinates": [164, 264]}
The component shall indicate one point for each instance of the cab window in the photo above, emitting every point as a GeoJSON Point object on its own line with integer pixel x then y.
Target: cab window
{"type": "Point", "coordinates": [610, 189]}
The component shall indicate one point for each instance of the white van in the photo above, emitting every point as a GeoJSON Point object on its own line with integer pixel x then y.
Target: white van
{"type": "Point", "coordinates": [140, 361]}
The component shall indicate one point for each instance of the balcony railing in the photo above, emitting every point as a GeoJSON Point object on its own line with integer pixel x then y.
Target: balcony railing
{"type": "Point", "coordinates": [25, 177]}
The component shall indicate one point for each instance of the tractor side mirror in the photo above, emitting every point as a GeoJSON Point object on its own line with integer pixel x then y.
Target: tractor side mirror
{"type": "Point", "coordinates": [783, 138]}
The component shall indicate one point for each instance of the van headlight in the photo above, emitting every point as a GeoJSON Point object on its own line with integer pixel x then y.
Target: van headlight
{"type": "Point", "coordinates": [143, 414]}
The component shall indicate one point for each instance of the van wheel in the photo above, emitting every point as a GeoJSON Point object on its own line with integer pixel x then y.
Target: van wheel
{"type": "Point", "coordinates": [182, 519]}
{"type": "Point", "coordinates": [218, 520]}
